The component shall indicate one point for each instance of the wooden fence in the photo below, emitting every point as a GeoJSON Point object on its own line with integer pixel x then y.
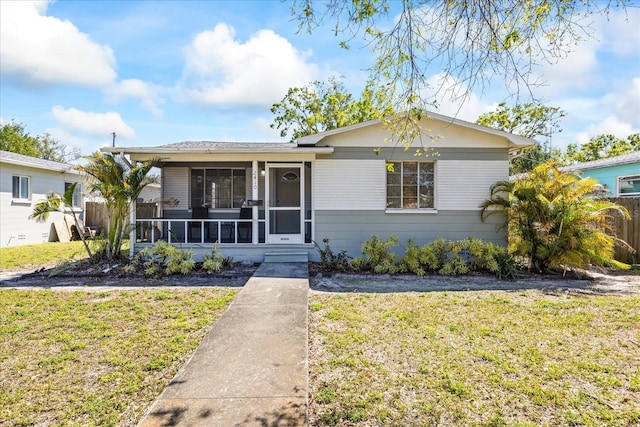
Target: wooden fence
{"type": "Point", "coordinates": [629, 231]}
{"type": "Point", "coordinates": [95, 215]}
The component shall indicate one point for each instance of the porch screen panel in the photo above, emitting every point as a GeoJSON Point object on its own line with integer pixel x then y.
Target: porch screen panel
{"type": "Point", "coordinates": [197, 188]}
{"type": "Point", "coordinates": [218, 187]}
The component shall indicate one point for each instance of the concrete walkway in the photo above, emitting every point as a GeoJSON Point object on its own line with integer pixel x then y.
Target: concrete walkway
{"type": "Point", "coordinates": [251, 369]}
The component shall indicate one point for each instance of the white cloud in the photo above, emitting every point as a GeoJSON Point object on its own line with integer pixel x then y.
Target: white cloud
{"type": "Point", "coordinates": [148, 93]}
{"type": "Point", "coordinates": [94, 124]}
{"type": "Point", "coordinates": [625, 101]}
{"type": "Point", "coordinates": [610, 125]}
{"type": "Point", "coordinates": [619, 31]}
{"type": "Point", "coordinates": [220, 70]}
{"type": "Point", "coordinates": [40, 50]}
{"type": "Point", "coordinates": [455, 100]}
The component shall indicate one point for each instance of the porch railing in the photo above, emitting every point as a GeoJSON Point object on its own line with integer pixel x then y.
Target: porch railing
{"type": "Point", "coordinates": [194, 231]}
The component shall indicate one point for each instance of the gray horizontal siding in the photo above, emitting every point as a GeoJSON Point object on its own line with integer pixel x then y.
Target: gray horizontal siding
{"type": "Point", "coordinates": [348, 230]}
{"type": "Point", "coordinates": [399, 153]}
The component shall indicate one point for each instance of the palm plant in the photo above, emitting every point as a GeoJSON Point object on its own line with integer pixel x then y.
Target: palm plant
{"type": "Point", "coordinates": [120, 185]}
{"type": "Point", "coordinates": [55, 202]}
{"type": "Point", "coordinates": [556, 219]}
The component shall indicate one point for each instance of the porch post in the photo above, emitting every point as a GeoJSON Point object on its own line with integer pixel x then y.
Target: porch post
{"type": "Point", "coordinates": [255, 236]}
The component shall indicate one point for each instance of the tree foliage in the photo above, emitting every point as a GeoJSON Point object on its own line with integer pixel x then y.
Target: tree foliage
{"type": "Point", "coordinates": [15, 138]}
{"type": "Point", "coordinates": [531, 120]}
{"type": "Point", "coordinates": [555, 219]}
{"type": "Point", "coordinates": [602, 147]}
{"type": "Point", "coordinates": [471, 40]}
{"type": "Point", "coordinates": [120, 185]}
{"type": "Point", "coordinates": [322, 106]}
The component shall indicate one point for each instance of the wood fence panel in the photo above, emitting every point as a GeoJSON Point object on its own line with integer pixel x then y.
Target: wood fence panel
{"type": "Point", "coordinates": [95, 215]}
{"type": "Point", "coordinates": [628, 230]}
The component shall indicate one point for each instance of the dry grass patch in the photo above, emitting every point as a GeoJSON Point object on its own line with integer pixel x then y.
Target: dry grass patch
{"type": "Point", "coordinates": [96, 358]}
{"type": "Point", "coordinates": [474, 359]}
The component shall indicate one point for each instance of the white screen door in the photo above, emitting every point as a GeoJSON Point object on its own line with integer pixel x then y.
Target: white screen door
{"type": "Point", "coordinates": [285, 183]}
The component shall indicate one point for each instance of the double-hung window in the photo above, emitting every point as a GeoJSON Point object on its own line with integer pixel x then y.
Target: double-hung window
{"type": "Point", "coordinates": [77, 194]}
{"type": "Point", "coordinates": [20, 187]}
{"type": "Point", "coordinates": [629, 186]}
{"type": "Point", "coordinates": [410, 185]}
{"type": "Point", "coordinates": [217, 188]}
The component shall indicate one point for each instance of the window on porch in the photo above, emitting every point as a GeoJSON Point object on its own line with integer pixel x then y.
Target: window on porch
{"type": "Point", "coordinates": [217, 188]}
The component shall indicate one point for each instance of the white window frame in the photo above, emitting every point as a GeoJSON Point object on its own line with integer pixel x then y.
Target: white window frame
{"type": "Point", "coordinates": [624, 178]}
{"type": "Point", "coordinates": [205, 169]}
{"type": "Point", "coordinates": [21, 182]}
{"type": "Point", "coordinates": [417, 209]}
{"type": "Point", "coordinates": [77, 194]}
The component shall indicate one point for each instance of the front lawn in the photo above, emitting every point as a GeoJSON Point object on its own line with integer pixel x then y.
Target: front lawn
{"type": "Point", "coordinates": [485, 358]}
{"type": "Point", "coordinates": [96, 358]}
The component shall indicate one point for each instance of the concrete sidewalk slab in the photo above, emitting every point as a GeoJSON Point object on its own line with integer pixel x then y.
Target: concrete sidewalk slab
{"type": "Point", "coordinates": [252, 367]}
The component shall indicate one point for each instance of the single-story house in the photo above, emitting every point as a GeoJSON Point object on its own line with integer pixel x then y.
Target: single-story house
{"type": "Point", "coordinates": [24, 181]}
{"type": "Point", "coordinates": [266, 199]}
{"type": "Point", "coordinates": [620, 175]}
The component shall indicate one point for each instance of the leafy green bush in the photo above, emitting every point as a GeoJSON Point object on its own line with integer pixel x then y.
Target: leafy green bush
{"type": "Point", "coordinates": [214, 261]}
{"type": "Point", "coordinates": [174, 259]}
{"type": "Point", "coordinates": [377, 254]}
{"type": "Point", "coordinates": [358, 264]}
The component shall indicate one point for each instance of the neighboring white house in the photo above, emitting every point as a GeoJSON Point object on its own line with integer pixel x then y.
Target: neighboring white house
{"type": "Point", "coordinates": [24, 181]}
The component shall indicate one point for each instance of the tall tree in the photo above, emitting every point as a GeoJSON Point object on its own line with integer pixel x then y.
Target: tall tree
{"type": "Point", "coordinates": [472, 42]}
{"type": "Point", "coordinates": [530, 120]}
{"type": "Point", "coordinates": [602, 147]}
{"type": "Point", "coordinates": [120, 185]}
{"type": "Point", "coordinates": [322, 106]}
{"type": "Point", "coordinates": [15, 138]}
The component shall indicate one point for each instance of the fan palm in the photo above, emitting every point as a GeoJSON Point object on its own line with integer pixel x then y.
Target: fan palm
{"type": "Point", "coordinates": [556, 219]}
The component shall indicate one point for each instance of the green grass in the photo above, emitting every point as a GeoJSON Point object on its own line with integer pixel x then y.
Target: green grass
{"type": "Point", "coordinates": [474, 359]}
{"type": "Point", "coordinates": [96, 358]}
{"type": "Point", "coordinates": [45, 254]}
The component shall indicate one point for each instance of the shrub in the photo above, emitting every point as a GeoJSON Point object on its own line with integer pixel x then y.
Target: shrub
{"type": "Point", "coordinates": [377, 254]}
{"type": "Point", "coordinates": [358, 264]}
{"type": "Point", "coordinates": [176, 260]}
{"type": "Point", "coordinates": [331, 261]}
{"type": "Point", "coordinates": [214, 261]}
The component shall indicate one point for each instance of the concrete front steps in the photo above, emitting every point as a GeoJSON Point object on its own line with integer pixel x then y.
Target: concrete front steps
{"type": "Point", "coordinates": [286, 256]}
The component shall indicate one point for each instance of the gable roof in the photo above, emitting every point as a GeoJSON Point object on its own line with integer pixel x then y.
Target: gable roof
{"type": "Point", "coordinates": [516, 142]}
{"type": "Point", "coordinates": [35, 162]}
{"type": "Point", "coordinates": [623, 159]}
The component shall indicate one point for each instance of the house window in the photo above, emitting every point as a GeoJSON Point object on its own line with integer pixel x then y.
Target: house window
{"type": "Point", "coordinates": [20, 187]}
{"type": "Point", "coordinates": [629, 186]}
{"type": "Point", "coordinates": [217, 188]}
{"type": "Point", "coordinates": [77, 194]}
{"type": "Point", "coordinates": [410, 185]}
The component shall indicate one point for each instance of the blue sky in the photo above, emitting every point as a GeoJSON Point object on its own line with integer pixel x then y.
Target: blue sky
{"type": "Point", "coordinates": [158, 72]}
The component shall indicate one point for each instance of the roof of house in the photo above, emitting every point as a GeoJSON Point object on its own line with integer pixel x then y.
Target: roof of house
{"type": "Point", "coordinates": [516, 142]}
{"type": "Point", "coordinates": [305, 144]}
{"type": "Point", "coordinates": [623, 159]}
{"type": "Point", "coordinates": [34, 162]}
{"type": "Point", "coordinates": [218, 147]}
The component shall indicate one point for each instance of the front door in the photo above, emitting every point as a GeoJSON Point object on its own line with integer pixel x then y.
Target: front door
{"type": "Point", "coordinates": [285, 184]}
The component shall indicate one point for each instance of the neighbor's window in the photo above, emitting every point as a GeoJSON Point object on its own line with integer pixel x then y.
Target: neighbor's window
{"type": "Point", "coordinates": [77, 194]}
{"type": "Point", "coordinates": [20, 187]}
{"type": "Point", "coordinates": [410, 185]}
{"type": "Point", "coordinates": [217, 188]}
{"type": "Point", "coordinates": [629, 185]}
